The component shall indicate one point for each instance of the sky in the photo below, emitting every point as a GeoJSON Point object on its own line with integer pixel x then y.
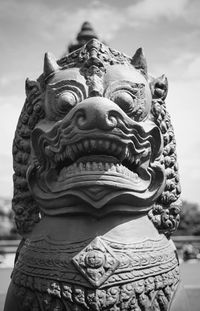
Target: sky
{"type": "Point", "coordinates": [168, 31]}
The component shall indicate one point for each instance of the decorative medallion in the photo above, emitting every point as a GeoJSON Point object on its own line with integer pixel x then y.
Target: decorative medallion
{"type": "Point", "coordinates": [96, 262]}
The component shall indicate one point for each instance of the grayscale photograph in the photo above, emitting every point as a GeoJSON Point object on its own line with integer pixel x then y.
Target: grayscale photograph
{"type": "Point", "coordinates": [99, 155]}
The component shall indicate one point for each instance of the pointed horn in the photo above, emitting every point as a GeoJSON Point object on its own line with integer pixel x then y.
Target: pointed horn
{"type": "Point", "coordinates": [139, 61]}
{"type": "Point", "coordinates": [50, 64]}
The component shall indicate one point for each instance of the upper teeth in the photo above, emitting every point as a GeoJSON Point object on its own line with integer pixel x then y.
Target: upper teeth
{"type": "Point", "coordinates": [88, 146]}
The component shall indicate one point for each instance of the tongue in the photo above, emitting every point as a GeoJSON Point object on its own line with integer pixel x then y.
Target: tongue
{"type": "Point", "coordinates": [98, 158]}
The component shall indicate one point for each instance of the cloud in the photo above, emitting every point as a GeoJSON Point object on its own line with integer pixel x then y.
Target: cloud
{"type": "Point", "coordinates": [191, 13]}
{"type": "Point", "coordinates": [6, 173]}
{"type": "Point", "coordinates": [110, 21]}
{"type": "Point", "coordinates": [193, 70]}
{"type": "Point", "coordinates": [55, 22]}
{"type": "Point", "coordinates": [152, 10]}
{"type": "Point", "coordinates": [10, 108]}
{"type": "Point", "coordinates": [188, 63]}
{"type": "Point", "coordinates": [45, 22]}
{"type": "Point", "coordinates": [183, 105]}
{"type": "Point", "coordinates": [105, 19]}
{"type": "Point", "coordinates": [182, 65]}
{"type": "Point", "coordinates": [8, 79]}
{"type": "Point", "coordinates": [145, 12]}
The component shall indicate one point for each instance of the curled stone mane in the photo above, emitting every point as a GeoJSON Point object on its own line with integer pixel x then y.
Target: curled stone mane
{"type": "Point", "coordinates": [165, 213]}
{"type": "Point", "coordinates": [23, 204]}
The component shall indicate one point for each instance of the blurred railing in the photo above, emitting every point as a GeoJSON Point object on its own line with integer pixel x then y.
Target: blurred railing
{"type": "Point", "coordinates": [186, 239]}
{"type": "Point", "coordinates": [8, 246]}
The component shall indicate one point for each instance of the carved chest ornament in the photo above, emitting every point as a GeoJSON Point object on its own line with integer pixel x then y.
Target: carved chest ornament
{"type": "Point", "coordinates": [97, 274]}
{"type": "Point", "coordinates": [96, 262]}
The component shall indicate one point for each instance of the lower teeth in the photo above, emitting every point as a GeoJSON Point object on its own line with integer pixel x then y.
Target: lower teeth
{"type": "Point", "coordinates": [78, 168]}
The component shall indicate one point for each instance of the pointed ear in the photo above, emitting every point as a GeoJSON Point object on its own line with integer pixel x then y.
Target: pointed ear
{"type": "Point", "coordinates": [159, 87]}
{"type": "Point", "coordinates": [139, 62]}
{"type": "Point", "coordinates": [50, 64]}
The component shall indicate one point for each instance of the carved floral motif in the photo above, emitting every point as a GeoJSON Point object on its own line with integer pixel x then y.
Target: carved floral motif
{"type": "Point", "coordinates": [96, 262]}
{"type": "Point", "coordinates": [152, 293]}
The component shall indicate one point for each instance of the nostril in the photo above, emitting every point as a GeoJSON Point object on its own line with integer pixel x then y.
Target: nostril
{"type": "Point", "coordinates": [80, 121]}
{"type": "Point", "coordinates": [112, 121]}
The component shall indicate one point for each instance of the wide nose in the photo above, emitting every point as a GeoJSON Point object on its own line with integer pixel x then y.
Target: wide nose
{"type": "Point", "coordinates": [96, 112]}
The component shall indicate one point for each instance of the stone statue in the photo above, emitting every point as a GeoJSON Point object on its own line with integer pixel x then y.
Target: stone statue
{"type": "Point", "coordinates": [96, 188]}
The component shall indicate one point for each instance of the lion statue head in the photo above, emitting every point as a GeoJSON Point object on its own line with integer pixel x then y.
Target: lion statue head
{"type": "Point", "coordinates": [94, 137]}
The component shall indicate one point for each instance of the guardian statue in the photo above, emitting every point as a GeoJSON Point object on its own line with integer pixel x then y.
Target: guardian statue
{"type": "Point", "coordinates": [96, 188]}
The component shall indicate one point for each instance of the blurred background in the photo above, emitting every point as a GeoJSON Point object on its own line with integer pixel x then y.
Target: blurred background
{"type": "Point", "coordinates": [169, 32]}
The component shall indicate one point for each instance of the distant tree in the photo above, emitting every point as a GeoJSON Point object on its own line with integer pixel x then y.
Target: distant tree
{"type": "Point", "coordinates": [189, 219]}
{"type": "Point", "coordinates": [7, 225]}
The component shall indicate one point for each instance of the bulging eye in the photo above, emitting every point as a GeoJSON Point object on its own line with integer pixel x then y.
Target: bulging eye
{"type": "Point", "coordinates": [124, 100]}
{"type": "Point", "coordinates": [133, 105]}
{"type": "Point", "coordinates": [66, 101]}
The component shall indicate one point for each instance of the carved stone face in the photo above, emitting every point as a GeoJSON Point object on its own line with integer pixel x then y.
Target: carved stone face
{"type": "Point", "coordinates": [96, 149]}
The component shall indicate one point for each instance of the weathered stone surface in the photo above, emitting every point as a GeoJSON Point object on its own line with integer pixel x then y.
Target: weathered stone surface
{"type": "Point", "coordinates": [96, 187]}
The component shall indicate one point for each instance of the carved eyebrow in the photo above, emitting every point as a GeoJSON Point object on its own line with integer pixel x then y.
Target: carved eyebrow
{"type": "Point", "coordinates": [124, 83]}
{"type": "Point", "coordinates": [65, 82]}
{"type": "Point", "coordinates": [60, 85]}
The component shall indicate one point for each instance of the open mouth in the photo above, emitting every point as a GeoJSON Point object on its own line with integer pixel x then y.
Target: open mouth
{"type": "Point", "coordinates": [106, 158]}
{"type": "Point", "coordinates": [95, 166]}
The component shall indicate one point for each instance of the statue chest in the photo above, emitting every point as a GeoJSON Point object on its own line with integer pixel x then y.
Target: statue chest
{"type": "Point", "coordinates": [97, 274]}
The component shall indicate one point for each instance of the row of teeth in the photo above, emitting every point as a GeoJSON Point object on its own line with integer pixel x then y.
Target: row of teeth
{"type": "Point", "coordinates": [78, 168]}
{"type": "Point", "coordinates": [91, 146]}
